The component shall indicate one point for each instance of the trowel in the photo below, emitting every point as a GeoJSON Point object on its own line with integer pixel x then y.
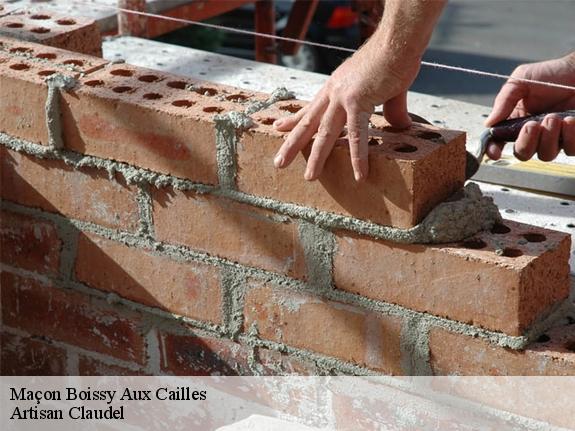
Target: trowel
{"type": "Point", "coordinates": [533, 174]}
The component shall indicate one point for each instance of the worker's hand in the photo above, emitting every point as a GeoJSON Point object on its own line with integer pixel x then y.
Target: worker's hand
{"type": "Point", "coordinates": [367, 79]}
{"type": "Point", "coordinates": [518, 99]}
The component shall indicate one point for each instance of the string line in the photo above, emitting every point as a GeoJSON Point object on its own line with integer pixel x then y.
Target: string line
{"type": "Point", "coordinates": [320, 45]}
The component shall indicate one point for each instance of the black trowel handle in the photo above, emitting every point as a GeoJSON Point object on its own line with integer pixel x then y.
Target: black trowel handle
{"type": "Point", "coordinates": [508, 130]}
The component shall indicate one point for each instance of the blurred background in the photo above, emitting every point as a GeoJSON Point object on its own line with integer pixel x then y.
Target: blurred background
{"type": "Point", "coordinates": [491, 35]}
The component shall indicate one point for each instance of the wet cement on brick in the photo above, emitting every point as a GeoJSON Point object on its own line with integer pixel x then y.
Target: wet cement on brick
{"type": "Point", "coordinates": [56, 83]}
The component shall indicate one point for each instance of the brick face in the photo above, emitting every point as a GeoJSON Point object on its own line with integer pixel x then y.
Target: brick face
{"type": "Point", "coordinates": [460, 281]}
{"type": "Point", "coordinates": [193, 354]}
{"type": "Point", "coordinates": [301, 320]}
{"type": "Point", "coordinates": [71, 317]}
{"type": "Point", "coordinates": [29, 243]}
{"type": "Point", "coordinates": [26, 356]}
{"type": "Point", "coordinates": [85, 194]}
{"type": "Point", "coordinates": [189, 289]}
{"type": "Point", "coordinates": [401, 189]}
{"type": "Point", "coordinates": [228, 229]}
{"type": "Point", "coordinates": [462, 355]}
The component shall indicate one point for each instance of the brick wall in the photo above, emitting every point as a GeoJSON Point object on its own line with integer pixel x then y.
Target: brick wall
{"type": "Point", "coordinates": [158, 238]}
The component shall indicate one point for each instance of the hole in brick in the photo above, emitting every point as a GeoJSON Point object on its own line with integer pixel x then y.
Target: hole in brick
{"type": "Point", "coordinates": [499, 228]}
{"type": "Point", "coordinates": [511, 252]}
{"type": "Point", "coordinates": [148, 78]}
{"type": "Point", "coordinates": [20, 49]}
{"type": "Point", "coordinates": [121, 72]}
{"type": "Point", "coordinates": [152, 96]}
{"type": "Point", "coordinates": [47, 56]}
{"type": "Point", "coordinates": [40, 30]}
{"type": "Point", "coordinates": [373, 141]}
{"type": "Point", "coordinates": [14, 25]}
{"type": "Point", "coordinates": [428, 135]}
{"type": "Point", "coordinates": [543, 338]}
{"type": "Point", "coordinates": [183, 103]}
{"type": "Point", "coordinates": [534, 237]}
{"type": "Point", "coordinates": [40, 16]}
{"type": "Point", "coordinates": [121, 89]}
{"type": "Point", "coordinates": [66, 21]}
{"type": "Point", "coordinates": [180, 85]}
{"type": "Point", "coordinates": [292, 107]}
{"type": "Point", "coordinates": [570, 320]}
{"type": "Point", "coordinates": [74, 62]}
{"type": "Point", "coordinates": [206, 91]}
{"type": "Point", "coordinates": [474, 243]}
{"type": "Point", "coordinates": [236, 98]}
{"type": "Point", "coordinates": [20, 66]}
{"type": "Point", "coordinates": [571, 225]}
{"type": "Point", "coordinates": [267, 121]}
{"type": "Point", "coordinates": [213, 109]}
{"type": "Point", "coordinates": [46, 72]}
{"type": "Point", "coordinates": [570, 346]}
{"type": "Point", "coordinates": [405, 148]}
{"type": "Point", "coordinates": [94, 83]}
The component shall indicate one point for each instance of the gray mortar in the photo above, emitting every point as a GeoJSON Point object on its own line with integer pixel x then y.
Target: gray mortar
{"type": "Point", "coordinates": [277, 95]}
{"type": "Point", "coordinates": [69, 237]}
{"type": "Point", "coordinates": [229, 127]}
{"type": "Point", "coordinates": [233, 282]}
{"type": "Point", "coordinates": [145, 210]}
{"type": "Point", "coordinates": [319, 247]}
{"type": "Point", "coordinates": [56, 83]}
{"type": "Point", "coordinates": [414, 345]}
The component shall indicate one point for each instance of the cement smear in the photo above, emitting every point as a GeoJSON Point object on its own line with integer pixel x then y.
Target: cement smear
{"type": "Point", "coordinates": [56, 83]}
{"type": "Point", "coordinates": [277, 95]}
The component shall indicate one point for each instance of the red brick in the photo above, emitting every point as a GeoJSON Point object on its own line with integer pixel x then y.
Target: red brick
{"type": "Point", "coordinates": [26, 356]}
{"type": "Point", "coordinates": [225, 228]}
{"type": "Point", "coordinates": [23, 69]}
{"type": "Point", "coordinates": [307, 322]}
{"type": "Point", "coordinates": [401, 189]}
{"type": "Point", "coordinates": [462, 355]}
{"type": "Point", "coordinates": [94, 367]}
{"type": "Point", "coordinates": [71, 317]}
{"type": "Point", "coordinates": [29, 243]}
{"type": "Point", "coordinates": [73, 34]}
{"type": "Point", "coordinates": [85, 194]}
{"type": "Point", "coordinates": [459, 281]}
{"type": "Point", "coordinates": [190, 289]}
{"type": "Point", "coordinates": [202, 356]}
{"type": "Point", "coordinates": [161, 125]}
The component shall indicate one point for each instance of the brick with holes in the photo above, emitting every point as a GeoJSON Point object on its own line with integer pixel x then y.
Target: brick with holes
{"type": "Point", "coordinates": [76, 34]}
{"type": "Point", "coordinates": [162, 123]}
{"type": "Point", "coordinates": [410, 171]}
{"type": "Point", "coordinates": [24, 67]}
{"type": "Point", "coordinates": [503, 280]}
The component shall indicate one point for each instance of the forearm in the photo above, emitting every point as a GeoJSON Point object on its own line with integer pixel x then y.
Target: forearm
{"type": "Point", "coordinates": [405, 30]}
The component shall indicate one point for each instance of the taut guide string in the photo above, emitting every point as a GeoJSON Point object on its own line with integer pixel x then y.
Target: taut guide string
{"type": "Point", "coordinates": [316, 44]}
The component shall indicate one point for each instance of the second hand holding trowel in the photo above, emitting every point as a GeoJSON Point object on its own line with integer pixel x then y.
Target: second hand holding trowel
{"type": "Point", "coordinates": [533, 174]}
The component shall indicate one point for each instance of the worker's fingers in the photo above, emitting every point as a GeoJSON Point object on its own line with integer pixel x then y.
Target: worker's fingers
{"type": "Point", "coordinates": [357, 134]}
{"type": "Point", "coordinates": [329, 129]}
{"type": "Point", "coordinates": [568, 135]}
{"type": "Point", "coordinates": [526, 143]}
{"type": "Point", "coordinates": [301, 134]}
{"type": "Point", "coordinates": [395, 111]}
{"type": "Point", "coordinates": [548, 147]}
{"type": "Point", "coordinates": [506, 101]}
{"type": "Point", "coordinates": [494, 150]}
{"type": "Point", "coordinates": [286, 124]}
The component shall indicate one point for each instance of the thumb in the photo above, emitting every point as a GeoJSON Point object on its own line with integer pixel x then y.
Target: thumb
{"type": "Point", "coordinates": [506, 101]}
{"type": "Point", "coordinates": [395, 111]}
